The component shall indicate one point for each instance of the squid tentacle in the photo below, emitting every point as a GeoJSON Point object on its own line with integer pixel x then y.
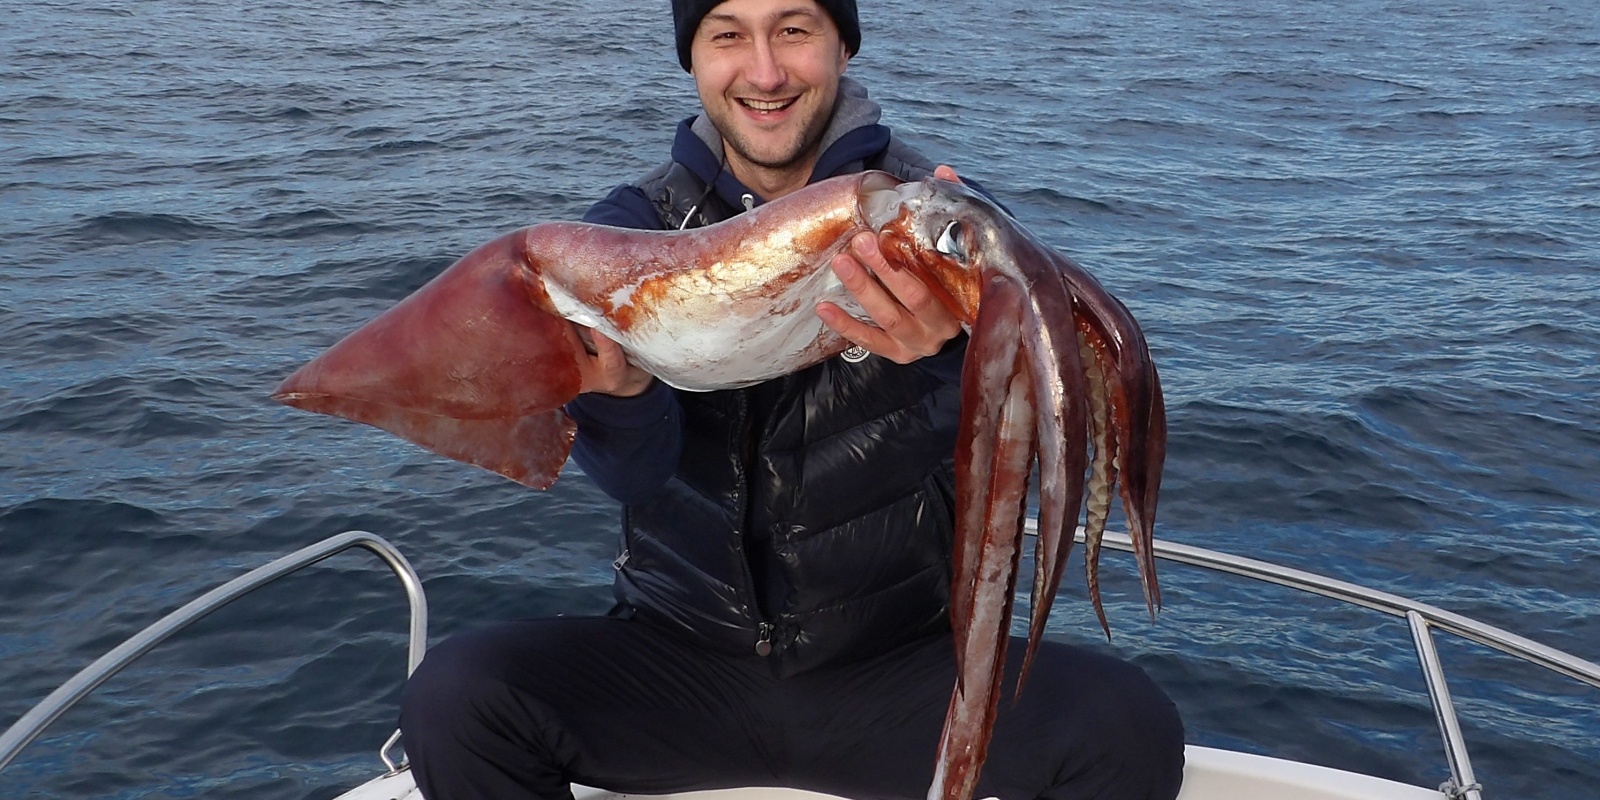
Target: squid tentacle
{"type": "Point", "coordinates": [1099, 426]}
{"type": "Point", "coordinates": [980, 656]}
{"type": "Point", "coordinates": [1141, 473]}
{"type": "Point", "coordinates": [1137, 416]}
{"type": "Point", "coordinates": [986, 374]}
{"type": "Point", "coordinates": [1058, 379]}
{"type": "Point", "coordinates": [1139, 422]}
{"type": "Point", "coordinates": [1102, 473]}
{"type": "Point", "coordinates": [478, 365]}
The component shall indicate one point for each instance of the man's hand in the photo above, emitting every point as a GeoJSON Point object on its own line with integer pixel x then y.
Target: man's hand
{"type": "Point", "coordinates": [604, 368]}
{"type": "Point", "coordinates": [910, 322]}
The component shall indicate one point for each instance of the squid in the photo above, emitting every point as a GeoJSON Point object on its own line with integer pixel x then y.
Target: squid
{"type": "Point", "coordinates": [477, 364]}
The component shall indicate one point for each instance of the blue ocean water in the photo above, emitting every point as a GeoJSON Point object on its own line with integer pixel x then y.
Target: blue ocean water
{"type": "Point", "coordinates": [1363, 238]}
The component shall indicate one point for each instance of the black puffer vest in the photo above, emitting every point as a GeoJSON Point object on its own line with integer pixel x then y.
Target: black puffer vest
{"type": "Point", "coordinates": [810, 518]}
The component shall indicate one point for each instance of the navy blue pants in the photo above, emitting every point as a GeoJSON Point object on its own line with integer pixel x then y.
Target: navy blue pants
{"type": "Point", "coordinates": [520, 709]}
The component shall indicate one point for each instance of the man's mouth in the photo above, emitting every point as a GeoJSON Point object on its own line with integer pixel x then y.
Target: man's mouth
{"type": "Point", "coordinates": [766, 106]}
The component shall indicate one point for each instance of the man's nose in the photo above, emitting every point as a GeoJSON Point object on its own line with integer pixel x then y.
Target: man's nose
{"type": "Point", "coordinates": [764, 72]}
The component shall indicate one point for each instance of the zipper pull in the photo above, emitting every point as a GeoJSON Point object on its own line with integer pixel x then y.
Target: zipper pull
{"type": "Point", "coordinates": [620, 561]}
{"type": "Point", "coordinates": [764, 643]}
{"type": "Point", "coordinates": [749, 201]}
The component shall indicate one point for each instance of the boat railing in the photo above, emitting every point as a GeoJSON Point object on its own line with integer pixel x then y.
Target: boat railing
{"type": "Point", "coordinates": [31, 724]}
{"type": "Point", "coordinates": [1422, 619]}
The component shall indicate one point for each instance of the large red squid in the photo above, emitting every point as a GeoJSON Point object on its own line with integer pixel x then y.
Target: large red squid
{"type": "Point", "coordinates": [477, 364]}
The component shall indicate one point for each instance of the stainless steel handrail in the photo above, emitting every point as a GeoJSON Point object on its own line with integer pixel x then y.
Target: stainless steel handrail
{"type": "Point", "coordinates": [1421, 617]}
{"type": "Point", "coordinates": [31, 724]}
{"type": "Point", "coordinates": [1463, 782]}
{"type": "Point", "coordinates": [1394, 605]}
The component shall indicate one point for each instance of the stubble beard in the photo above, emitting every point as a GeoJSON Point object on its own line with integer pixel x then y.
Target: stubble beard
{"type": "Point", "coordinates": [804, 146]}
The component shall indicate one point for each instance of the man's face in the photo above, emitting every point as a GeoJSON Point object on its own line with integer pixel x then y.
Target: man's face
{"type": "Point", "coordinates": [768, 73]}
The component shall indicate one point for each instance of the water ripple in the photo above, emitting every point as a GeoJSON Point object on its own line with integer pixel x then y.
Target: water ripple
{"type": "Point", "coordinates": [1362, 237]}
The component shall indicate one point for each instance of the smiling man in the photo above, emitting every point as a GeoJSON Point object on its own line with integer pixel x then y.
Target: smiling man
{"type": "Point", "coordinates": [768, 79]}
{"type": "Point", "coordinates": [782, 581]}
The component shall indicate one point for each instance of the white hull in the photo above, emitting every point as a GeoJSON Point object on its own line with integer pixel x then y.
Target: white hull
{"type": "Point", "coordinates": [1209, 774]}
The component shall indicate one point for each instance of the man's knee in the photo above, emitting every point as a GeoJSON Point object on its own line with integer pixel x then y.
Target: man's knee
{"type": "Point", "coordinates": [461, 686]}
{"type": "Point", "coordinates": [471, 731]}
{"type": "Point", "coordinates": [1147, 737]}
{"type": "Point", "coordinates": [435, 695]}
{"type": "Point", "coordinates": [1115, 733]}
{"type": "Point", "coordinates": [1140, 733]}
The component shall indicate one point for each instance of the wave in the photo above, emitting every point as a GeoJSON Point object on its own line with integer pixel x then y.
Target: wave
{"type": "Point", "coordinates": [120, 408]}
{"type": "Point", "coordinates": [132, 227]}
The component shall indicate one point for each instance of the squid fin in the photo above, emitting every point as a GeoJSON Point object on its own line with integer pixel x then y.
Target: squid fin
{"type": "Point", "coordinates": [474, 366]}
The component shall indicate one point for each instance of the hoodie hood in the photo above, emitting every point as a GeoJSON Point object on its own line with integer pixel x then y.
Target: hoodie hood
{"type": "Point", "coordinates": [852, 136]}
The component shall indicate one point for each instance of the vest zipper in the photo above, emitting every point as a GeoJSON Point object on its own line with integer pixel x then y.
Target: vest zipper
{"type": "Point", "coordinates": [764, 628]}
{"type": "Point", "coordinates": [749, 201]}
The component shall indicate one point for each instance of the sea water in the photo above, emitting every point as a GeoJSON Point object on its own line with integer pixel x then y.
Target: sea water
{"type": "Point", "coordinates": [1362, 237]}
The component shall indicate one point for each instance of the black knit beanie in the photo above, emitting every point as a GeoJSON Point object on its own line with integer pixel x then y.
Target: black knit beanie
{"type": "Point", "coordinates": [686, 16]}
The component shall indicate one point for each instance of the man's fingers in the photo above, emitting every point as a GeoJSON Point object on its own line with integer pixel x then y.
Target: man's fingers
{"type": "Point", "coordinates": [603, 365]}
{"type": "Point", "coordinates": [590, 374]}
{"type": "Point", "coordinates": [876, 340]}
{"type": "Point", "coordinates": [607, 352]}
{"type": "Point", "coordinates": [918, 306]}
{"type": "Point", "coordinates": [859, 280]}
{"type": "Point", "coordinates": [906, 289]}
{"type": "Point", "coordinates": [855, 331]}
{"type": "Point", "coordinates": [910, 320]}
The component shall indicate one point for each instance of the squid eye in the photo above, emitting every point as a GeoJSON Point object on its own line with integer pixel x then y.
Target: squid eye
{"type": "Point", "coordinates": [950, 241]}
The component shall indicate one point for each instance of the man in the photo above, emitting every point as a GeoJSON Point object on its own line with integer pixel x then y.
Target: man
{"type": "Point", "coordinates": [783, 580]}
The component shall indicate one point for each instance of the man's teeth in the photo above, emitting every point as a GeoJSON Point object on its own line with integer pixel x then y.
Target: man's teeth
{"type": "Point", "coordinates": [765, 105]}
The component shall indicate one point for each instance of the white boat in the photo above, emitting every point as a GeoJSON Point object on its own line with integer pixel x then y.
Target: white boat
{"type": "Point", "coordinates": [1209, 773]}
